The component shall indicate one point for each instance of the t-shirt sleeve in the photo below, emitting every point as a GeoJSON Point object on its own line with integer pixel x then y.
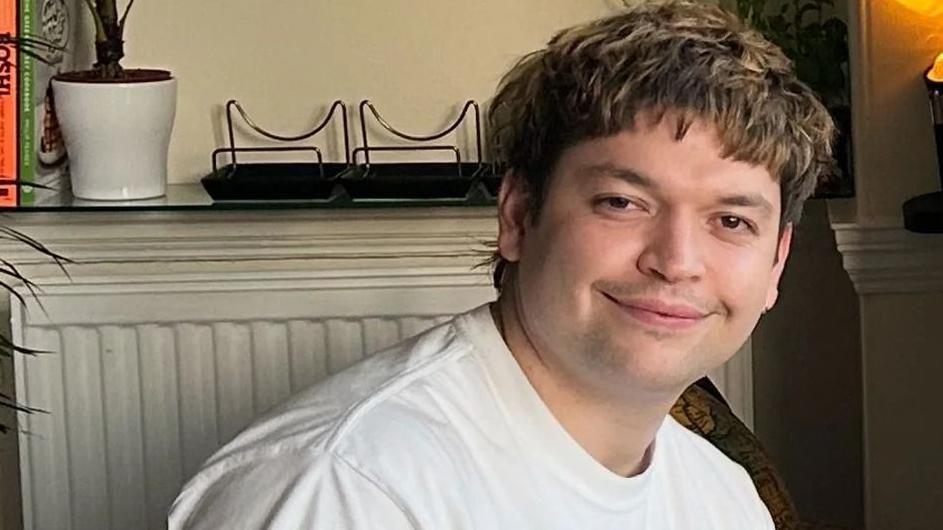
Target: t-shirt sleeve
{"type": "Point", "coordinates": [284, 492]}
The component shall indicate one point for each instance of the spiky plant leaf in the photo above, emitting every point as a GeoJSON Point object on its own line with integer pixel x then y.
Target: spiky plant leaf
{"type": "Point", "coordinates": [10, 277]}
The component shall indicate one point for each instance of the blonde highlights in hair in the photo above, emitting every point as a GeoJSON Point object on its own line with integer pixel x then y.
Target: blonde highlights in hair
{"type": "Point", "coordinates": [688, 58]}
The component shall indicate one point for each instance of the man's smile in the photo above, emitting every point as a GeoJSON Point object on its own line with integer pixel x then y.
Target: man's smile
{"type": "Point", "coordinates": [660, 313]}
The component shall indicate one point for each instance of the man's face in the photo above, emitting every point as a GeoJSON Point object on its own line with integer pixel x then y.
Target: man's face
{"type": "Point", "coordinates": [650, 262]}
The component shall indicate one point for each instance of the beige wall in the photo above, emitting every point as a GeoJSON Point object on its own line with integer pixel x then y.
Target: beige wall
{"type": "Point", "coordinates": [902, 339]}
{"type": "Point", "coordinates": [416, 59]}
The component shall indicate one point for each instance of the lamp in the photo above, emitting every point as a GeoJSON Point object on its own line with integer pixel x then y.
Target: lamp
{"type": "Point", "coordinates": [924, 213]}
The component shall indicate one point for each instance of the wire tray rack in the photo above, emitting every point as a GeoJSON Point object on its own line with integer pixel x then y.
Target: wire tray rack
{"type": "Point", "coordinates": [362, 176]}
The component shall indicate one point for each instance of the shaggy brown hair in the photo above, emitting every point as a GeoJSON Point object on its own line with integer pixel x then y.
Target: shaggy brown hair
{"type": "Point", "coordinates": [693, 59]}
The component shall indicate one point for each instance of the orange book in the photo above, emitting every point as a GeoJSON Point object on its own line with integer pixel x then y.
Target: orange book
{"type": "Point", "coordinates": [9, 102]}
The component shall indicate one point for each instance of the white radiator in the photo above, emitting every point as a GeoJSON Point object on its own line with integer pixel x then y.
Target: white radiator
{"type": "Point", "coordinates": [153, 372]}
{"type": "Point", "coordinates": [139, 400]}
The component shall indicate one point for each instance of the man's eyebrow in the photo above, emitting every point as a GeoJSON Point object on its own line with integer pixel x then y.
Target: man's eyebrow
{"type": "Point", "coordinates": [622, 173]}
{"type": "Point", "coordinates": [752, 200]}
{"type": "Point", "coordinates": [755, 200]}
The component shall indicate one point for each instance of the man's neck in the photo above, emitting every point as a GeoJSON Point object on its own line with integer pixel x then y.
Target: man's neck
{"type": "Point", "coordinates": [616, 431]}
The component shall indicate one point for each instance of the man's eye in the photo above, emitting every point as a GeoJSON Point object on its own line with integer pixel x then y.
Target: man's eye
{"type": "Point", "coordinates": [732, 222]}
{"type": "Point", "coordinates": [617, 203]}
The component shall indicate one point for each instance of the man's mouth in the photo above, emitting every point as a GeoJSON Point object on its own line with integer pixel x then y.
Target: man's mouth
{"type": "Point", "coordinates": [661, 313]}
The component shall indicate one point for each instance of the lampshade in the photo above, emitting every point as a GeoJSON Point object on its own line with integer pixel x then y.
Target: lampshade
{"type": "Point", "coordinates": [924, 213]}
{"type": "Point", "coordinates": [935, 73]}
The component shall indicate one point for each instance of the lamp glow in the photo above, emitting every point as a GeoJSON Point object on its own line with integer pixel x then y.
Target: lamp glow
{"type": "Point", "coordinates": [935, 73]}
{"type": "Point", "coordinates": [927, 8]}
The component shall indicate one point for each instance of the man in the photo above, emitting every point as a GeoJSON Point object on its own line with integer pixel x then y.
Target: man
{"type": "Point", "coordinates": [658, 160]}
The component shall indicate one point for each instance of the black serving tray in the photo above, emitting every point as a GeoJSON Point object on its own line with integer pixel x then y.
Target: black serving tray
{"type": "Point", "coordinates": [274, 181]}
{"type": "Point", "coordinates": [492, 184]}
{"type": "Point", "coordinates": [408, 181]}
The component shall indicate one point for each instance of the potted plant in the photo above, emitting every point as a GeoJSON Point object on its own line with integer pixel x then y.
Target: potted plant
{"type": "Point", "coordinates": [817, 43]}
{"type": "Point", "coordinates": [115, 122]}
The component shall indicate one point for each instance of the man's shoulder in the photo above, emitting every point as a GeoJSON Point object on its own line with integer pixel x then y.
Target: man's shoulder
{"type": "Point", "coordinates": [389, 416]}
{"type": "Point", "coordinates": [702, 474]}
{"type": "Point", "coordinates": [287, 489]}
{"type": "Point", "coordinates": [376, 395]}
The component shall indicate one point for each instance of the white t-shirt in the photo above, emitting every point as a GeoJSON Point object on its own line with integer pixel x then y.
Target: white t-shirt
{"type": "Point", "coordinates": [444, 432]}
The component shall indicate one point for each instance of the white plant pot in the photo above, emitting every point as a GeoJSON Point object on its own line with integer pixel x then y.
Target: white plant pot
{"type": "Point", "coordinates": [117, 136]}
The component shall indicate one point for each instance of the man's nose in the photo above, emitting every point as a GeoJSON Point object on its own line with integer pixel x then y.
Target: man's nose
{"type": "Point", "coordinates": [672, 252]}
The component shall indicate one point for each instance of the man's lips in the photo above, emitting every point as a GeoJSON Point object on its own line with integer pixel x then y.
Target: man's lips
{"type": "Point", "coordinates": [661, 313]}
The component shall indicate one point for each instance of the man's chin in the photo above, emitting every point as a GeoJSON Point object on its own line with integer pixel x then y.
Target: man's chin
{"type": "Point", "coordinates": [661, 386]}
{"type": "Point", "coordinates": [654, 376]}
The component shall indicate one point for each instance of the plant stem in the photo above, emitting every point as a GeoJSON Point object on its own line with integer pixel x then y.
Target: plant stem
{"type": "Point", "coordinates": [110, 50]}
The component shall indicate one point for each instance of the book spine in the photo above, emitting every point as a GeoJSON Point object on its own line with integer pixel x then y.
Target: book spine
{"type": "Point", "coordinates": [27, 109]}
{"type": "Point", "coordinates": [9, 105]}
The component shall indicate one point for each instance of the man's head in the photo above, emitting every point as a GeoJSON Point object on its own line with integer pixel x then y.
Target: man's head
{"type": "Point", "coordinates": [657, 161]}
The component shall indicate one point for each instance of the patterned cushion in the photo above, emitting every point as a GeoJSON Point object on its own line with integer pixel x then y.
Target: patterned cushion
{"type": "Point", "coordinates": [702, 409]}
{"type": "Point", "coordinates": [704, 412]}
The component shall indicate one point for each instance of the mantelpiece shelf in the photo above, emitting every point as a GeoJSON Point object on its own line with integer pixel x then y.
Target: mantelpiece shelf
{"type": "Point", "coordinates": [192, 196]}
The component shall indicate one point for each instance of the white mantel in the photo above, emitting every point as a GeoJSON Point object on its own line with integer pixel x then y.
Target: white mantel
{"type": "Point", "coordinates": [888, 259]}
{"type": "Point", "coordinates": [899, 279]}
{"type": "Point", "coordinates": [198, 239]}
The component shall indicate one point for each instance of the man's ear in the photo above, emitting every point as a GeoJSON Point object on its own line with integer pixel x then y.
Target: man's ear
{"type": "Point", "coordinates": [513, 205]}
{"type": "Point", "coordinates": [782, 254]}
